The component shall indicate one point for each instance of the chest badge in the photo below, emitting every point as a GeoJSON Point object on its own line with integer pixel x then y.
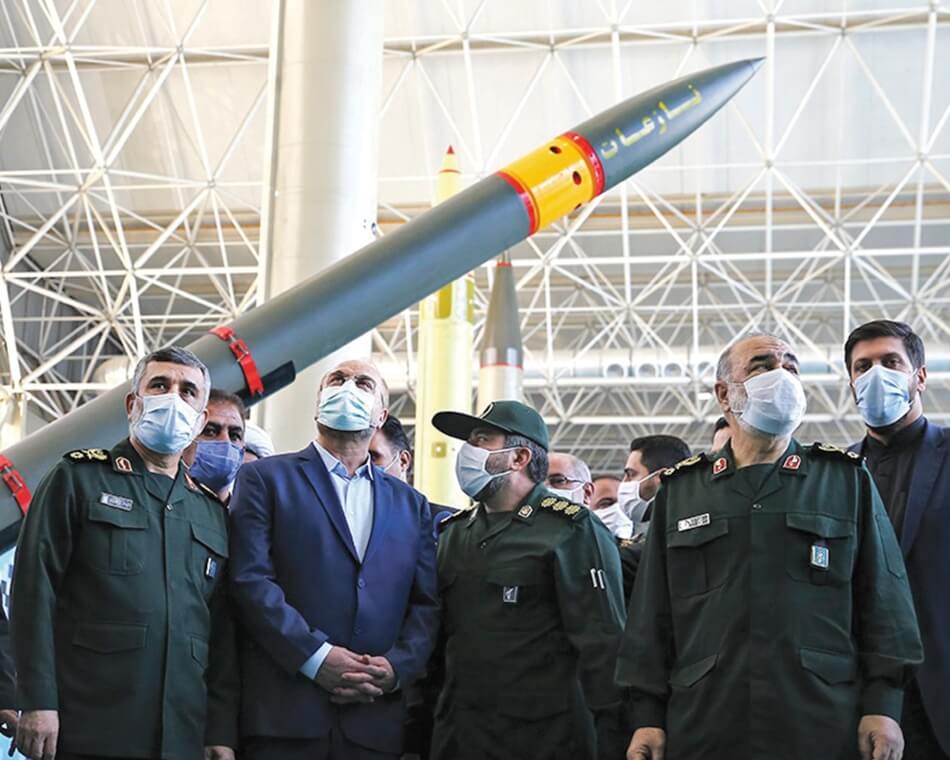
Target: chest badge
{"type": "Point", "coordinates": [792, 462]}
{"type": "Point", "coordinates": [116, 502]}
{"type": "Point", "coordinates": [698, 521]}
{"type": "Point", "coordinates": [820, 556]}
{"type": "Point", "coordinates": [211, 567]}
{"type": "Point", "coordinates": [509, 594]}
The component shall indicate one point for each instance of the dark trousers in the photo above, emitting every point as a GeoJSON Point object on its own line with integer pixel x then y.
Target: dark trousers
{"type": "Point", "coordinates": [333, 747]}
{"type": "Point", "coordinates": [920, 743]}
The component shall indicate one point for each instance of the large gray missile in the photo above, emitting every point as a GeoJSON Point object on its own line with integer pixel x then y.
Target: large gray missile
{"type": "Point", "coordinates": [306, 323]}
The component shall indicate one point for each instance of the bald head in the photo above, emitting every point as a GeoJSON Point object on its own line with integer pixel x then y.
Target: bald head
{"type": "Point", "coordinates": [568, 473]}
{"type": "Point", "coordinates": [753, 355]}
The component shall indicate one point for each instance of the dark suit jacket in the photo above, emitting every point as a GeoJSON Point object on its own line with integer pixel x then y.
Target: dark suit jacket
{"type": "Point", "coordinates": [925, 542]}
{"type": "Point", "coordinates": [297, 582]}
{"type": "Point", "coordinates": [7, 676]}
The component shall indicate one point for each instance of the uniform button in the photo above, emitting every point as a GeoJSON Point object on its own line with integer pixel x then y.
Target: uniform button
{"type": "Point", "coordinates": [361, 583]}
{"type": "Point", "coordinates": [483, 544]}
{"type": "Point", "coordinates": [756, 506]}
{"type": "Point", "coordinates": [168, 507]}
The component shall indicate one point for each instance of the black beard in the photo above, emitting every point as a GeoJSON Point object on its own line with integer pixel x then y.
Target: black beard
{"type": "Point", "coordinates": [493, 488]}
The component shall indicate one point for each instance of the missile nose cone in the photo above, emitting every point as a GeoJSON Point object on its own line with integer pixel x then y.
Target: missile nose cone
{"type": "Point", "coordinates": [451, 150]}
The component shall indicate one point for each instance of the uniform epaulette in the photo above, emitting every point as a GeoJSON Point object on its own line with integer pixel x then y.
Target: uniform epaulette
{"type": "Point", "coordinates": [209, 493]}
{"type": "Point", "coordinates": [87, 455]}
{"type": "Point", "coordinates": [683, 465]}
{"type": "Point", "coordinates": [563, 507]}
{"type": "Point", "coordinates": [826, 449]}
{"type": "Point", "coordinates": [441, 525]}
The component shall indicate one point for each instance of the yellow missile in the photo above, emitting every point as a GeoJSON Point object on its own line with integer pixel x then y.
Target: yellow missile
{"type": "Point", "coordinates": [444, 370]}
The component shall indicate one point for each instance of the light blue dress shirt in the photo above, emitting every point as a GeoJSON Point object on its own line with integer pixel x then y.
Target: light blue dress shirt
{"type": "Point", "coordinates": [356, 497]}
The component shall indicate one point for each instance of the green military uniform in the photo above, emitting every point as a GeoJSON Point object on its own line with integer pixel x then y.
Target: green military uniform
{"type": "Point", "coordinates": [533, 611]}
{"type": "Point", "coordinates": [771, 609]}
{"type": "Point", "coordinates": [118, 596]}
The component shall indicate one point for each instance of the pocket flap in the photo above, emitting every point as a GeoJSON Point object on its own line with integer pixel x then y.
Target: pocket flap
{"type": "Point", "coordinates": [687, 675]}
{"type": "Point", "coordinates": [110, 637]}
{"type": "Point", "coordinates": [210, 538]}
{"type": "Point", "coordinates": [515, 575]}
{"type": "Point", "coordinates": [697, 536]}
{"type": "Point", "coordinates": [135, 518]}
{"type": "Point", "coordinates": [820, 525]}
{"type": "Point", "coordinates": [830, 667]}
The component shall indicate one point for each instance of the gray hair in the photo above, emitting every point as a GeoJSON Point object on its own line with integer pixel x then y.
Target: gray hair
{"type": "Point", "coordinates": [724, 365]}
{"type": "Point", "coordinates": [538, 466]}
{"type": "Point", "coordinates": [579, 469]}
{"type": "Point", "coordinates": [173, 355]}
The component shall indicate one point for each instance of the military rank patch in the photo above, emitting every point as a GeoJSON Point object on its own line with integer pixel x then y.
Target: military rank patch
{"type": "Point", "coordinates": [526, 511]}
{"type": "Point", "coordinates": [560, 505]}
{"type": "Point", "coordinates": [573, 509]}
{"type": "Point", "coordinates": [689, 523]}
{"type": "Point", "coordinates": [116, 502]}
{"type": "Point", "coordinates": [792, 462]}
{"type": "Point", "coordinates": [548, 502]}
{"type": "Point", "coordinates": [720, 465]}
{"type": "Point", "coordinates": [820, 556]}
{"type": "Point", "coordinates": [88, 455]}
{"type": "Point", "coordinates": [122, 464]}
{"type": "Point", "coordinates": [827, 448]}
{"type": "Point", "coordinates": [509, 595]}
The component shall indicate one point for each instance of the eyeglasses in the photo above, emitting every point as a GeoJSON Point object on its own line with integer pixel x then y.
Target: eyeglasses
{"type": "Point", "coordinates": [559, 481]}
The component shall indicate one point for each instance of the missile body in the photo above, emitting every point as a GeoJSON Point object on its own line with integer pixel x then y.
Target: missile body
{"type": "Point", "coordinates": [333, 307]}
{"type": "Point", "coordinates": [444, 376]}
{"type": "Point", "coordinates": [501, 357]}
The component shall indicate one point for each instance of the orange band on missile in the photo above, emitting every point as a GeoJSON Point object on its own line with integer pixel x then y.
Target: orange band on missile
{"type": "Point", "coordinates": [593, 160]}
{"type": "Point", "coordinates": [556, 179]}
{"type": "Point", "coordinates": [526, 198]}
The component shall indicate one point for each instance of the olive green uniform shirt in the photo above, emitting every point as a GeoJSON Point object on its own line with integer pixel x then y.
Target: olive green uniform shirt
{"type": "Point", "coordinates": [118, 605]}
{"type": "Point", "coordinates": [771, 609]}
{"type": "Point", "coordinates": [532, 617]}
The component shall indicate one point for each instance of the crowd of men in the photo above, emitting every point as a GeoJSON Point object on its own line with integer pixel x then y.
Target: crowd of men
{"type": "Point", "coordinates": [189, 593]}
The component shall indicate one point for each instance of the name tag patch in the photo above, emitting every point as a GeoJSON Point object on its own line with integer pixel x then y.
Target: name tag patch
{"type": "Point", "coordinates": [211, 567]}
{"type": "Point", "coordinates": [116, 502]}
{"type": "Point", "coordinates": [689, 523]}
{"type": "Point", "coordinates": [820, 556]}
{"type": "Point", "coordinates": [509, 594]}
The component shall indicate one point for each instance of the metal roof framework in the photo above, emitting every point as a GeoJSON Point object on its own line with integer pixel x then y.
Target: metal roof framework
{"type": "Point", "coordinates": [131, 166]}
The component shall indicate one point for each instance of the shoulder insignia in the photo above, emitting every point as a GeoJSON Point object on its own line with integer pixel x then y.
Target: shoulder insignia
{"type": "Point", "coordinates": [123, 464]}
{"type": "Point", "coordinates": [683, 465]}
{"type": "Point", "coordinates": [446, 521]}
{"type": "Point", "coordinates": [826, 449]}
{"type": "Point", "coordinates": [563, 507]}
{"type": "Point", "coordinates": [526, 511]}
{"type": "Point", "coordinates": [87, 455]}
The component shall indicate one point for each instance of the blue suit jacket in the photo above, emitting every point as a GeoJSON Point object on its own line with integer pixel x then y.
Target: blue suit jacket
{"type": "Point", "coordinates": [297, 582]}
{"type": "Point", "coordinates": [925, 542]}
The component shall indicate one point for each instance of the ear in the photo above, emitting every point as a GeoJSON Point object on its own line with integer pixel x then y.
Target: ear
{"type": "Point", "coordinates": [521, 459]}
{"type": "Point", "coordinates": [384, 415]}
{"type": "Point", "coordinates": [405, 460]}
{"type": "Point", "coordinates": [588, 494]}
{"type": "Point", "coordinates": [921, 379]}
{"type": "Point", "coordinates": [129, 403]}
{"type": "Point", "coordinates": [202, 421]}
{"type": "Point", "coordinates": [721, 390]}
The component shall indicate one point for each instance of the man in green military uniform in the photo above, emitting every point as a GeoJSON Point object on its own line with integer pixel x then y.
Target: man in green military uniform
{"type": "Point", "coordinates": [532, 604]}
{"type": "Point", "coordinates": [771, 616]}
{"type": "Point", "coordinates": [119, 619]}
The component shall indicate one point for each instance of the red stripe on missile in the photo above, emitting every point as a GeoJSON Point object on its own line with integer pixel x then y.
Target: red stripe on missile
{"type": "Point", "coordinates": [592, 159]}
{"type": "Point", "coordinates": [526, 199]}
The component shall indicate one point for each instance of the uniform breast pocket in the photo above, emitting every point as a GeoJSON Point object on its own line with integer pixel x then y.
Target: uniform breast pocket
{"type": "Point", "coordinates": [699, 558]}
{"type": "Point", "coordinates": [518, 591]}
{"type": "Point", "coordinates": [209, 553]}
{"type": "Point", "coordinates": [114, 539]}
{"type": "Point", "coordinates": [819, 548]}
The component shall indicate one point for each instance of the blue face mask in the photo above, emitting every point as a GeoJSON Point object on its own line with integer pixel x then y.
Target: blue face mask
{"type": "Point", "coordinates": [217, 463]}
{"type": "Point", "coordinates": [166, 424]}
{"type": "Point", "coordinates": [346, 407]}
{"type": "Point", "coordinates": [883, 396]}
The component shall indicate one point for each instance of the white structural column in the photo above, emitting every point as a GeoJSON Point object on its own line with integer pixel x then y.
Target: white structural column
{"type": "Point", "coordinates": [322, 185]}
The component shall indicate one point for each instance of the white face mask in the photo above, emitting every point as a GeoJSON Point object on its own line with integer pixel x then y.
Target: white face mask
{"type": "Point", "coordinates": [165, 423]}
{"type": "Point", "coordinates": [631, 503]}
{"type": "Point", "coordinates": [569, 494]}
{"type": "Point", "coordinates": [470, 468]}
{"type": "Point", "coordinates": [774, 402]}
{"type": "Point", "coordinates": [615, 520]}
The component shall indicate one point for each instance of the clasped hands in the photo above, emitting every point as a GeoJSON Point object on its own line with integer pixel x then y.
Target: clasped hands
{"type": "Point", "coordinates": [351, 677]}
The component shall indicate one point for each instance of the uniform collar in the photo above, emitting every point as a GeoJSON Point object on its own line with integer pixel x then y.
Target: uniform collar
{"type": "Point", "coordinates": [126, 461]}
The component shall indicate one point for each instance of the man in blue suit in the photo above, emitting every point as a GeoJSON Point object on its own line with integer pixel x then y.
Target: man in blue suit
{"type": "Point", "coordinates": [333, 575]}
{"type": "Point", "coordinates": [909, 458]}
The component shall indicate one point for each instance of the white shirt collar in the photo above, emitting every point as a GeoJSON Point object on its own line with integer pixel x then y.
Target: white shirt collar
{"type": "Point", "coordinates": [337, 467]}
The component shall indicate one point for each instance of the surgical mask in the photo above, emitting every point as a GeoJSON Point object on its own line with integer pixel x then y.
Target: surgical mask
{"type": "Point", "coordinates": [566, 493]}
{"type": "Point", "coordinates": [470, 468]}
{"type": "Point", "coordinates": [615, 520]}
{"type": "Point", "coordinates": [217, 463]}
{"type": "Point", "coordinates": [385, 467]}
{"type": "Point", "coordinates": [774, 402]}
{"type": "Point", "coordinates": [166, 424]}
{"type": "Point", "coordinates": [346, 407]}
{"type": "Point", "coordinates": [883, 396]}
{"type": "Point", "coordinates": [631, 503]}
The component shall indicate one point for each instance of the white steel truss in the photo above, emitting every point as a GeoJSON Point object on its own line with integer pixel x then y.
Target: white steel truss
{"type": "Point", "coordinates": [130, 177]}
